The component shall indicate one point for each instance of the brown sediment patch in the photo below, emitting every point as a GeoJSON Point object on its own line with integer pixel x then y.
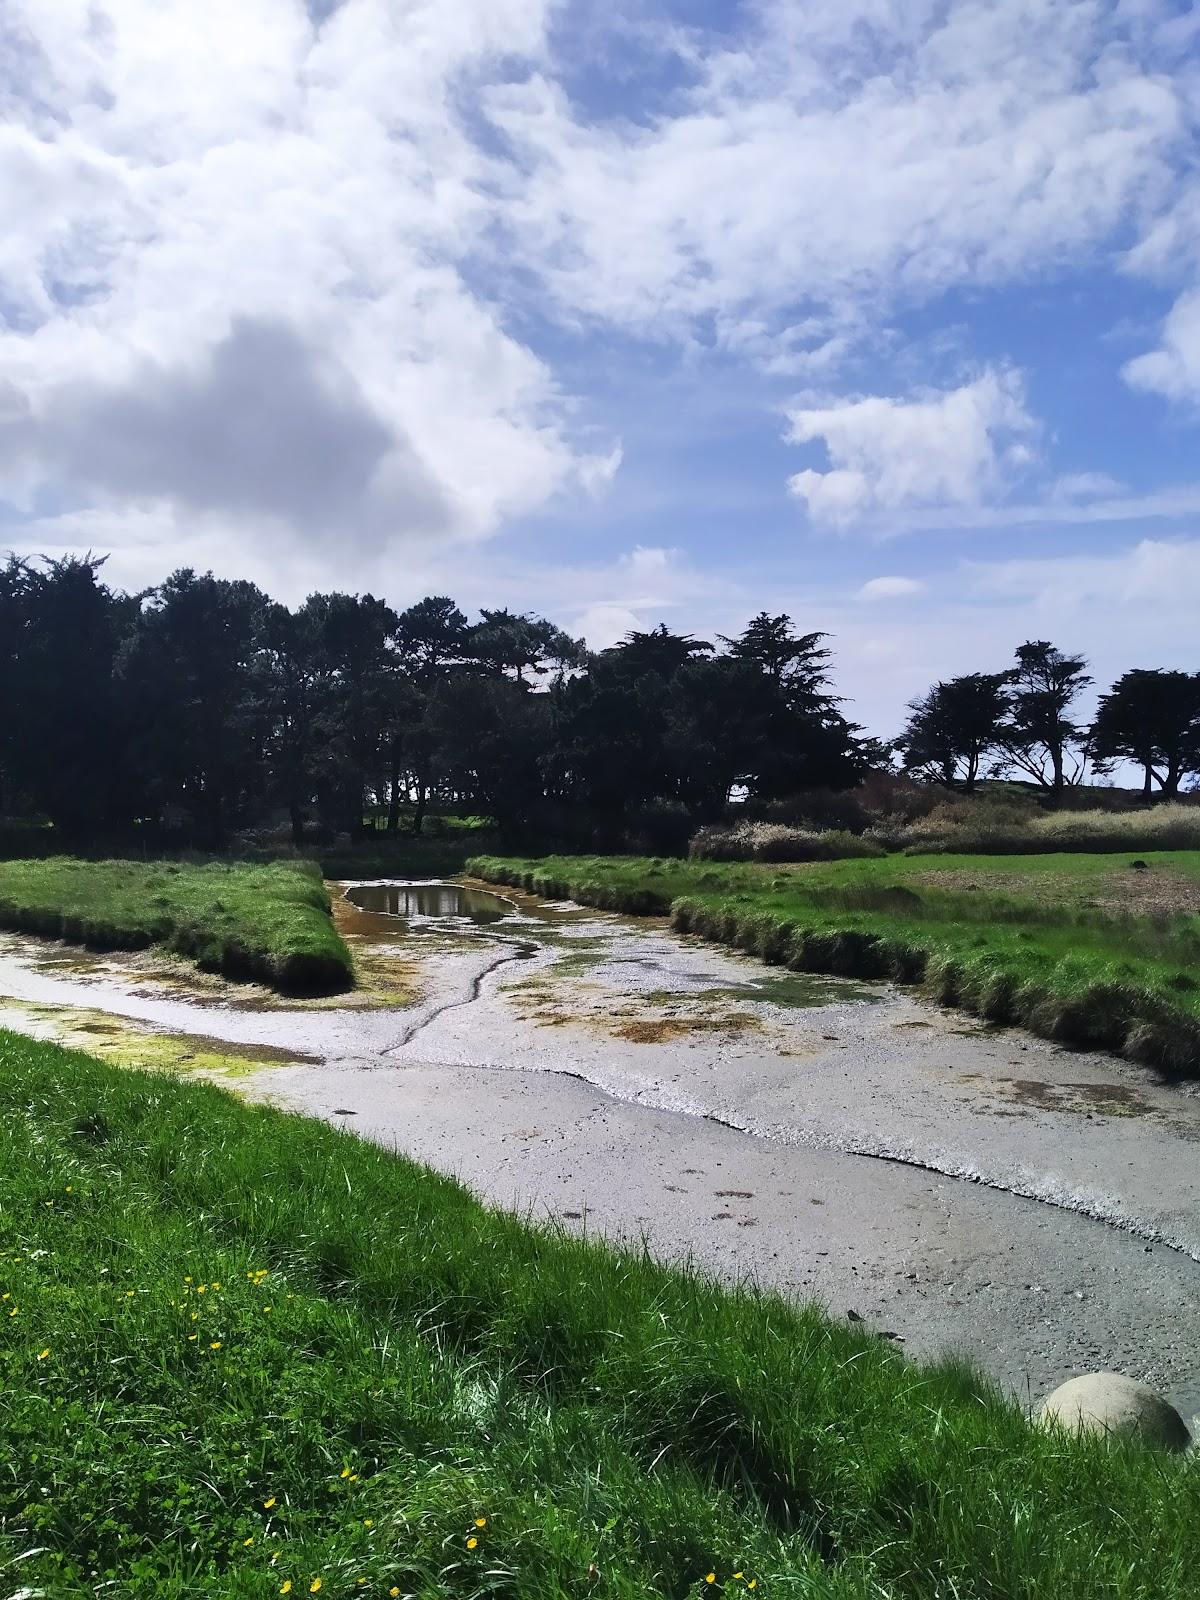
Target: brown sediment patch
{"type": "Point", "coordinates": [1159, 891]}
{"type": "Point", "coordinates": [659, 1030]}
{"type": "Point", "coordinates": [1094, 1099]}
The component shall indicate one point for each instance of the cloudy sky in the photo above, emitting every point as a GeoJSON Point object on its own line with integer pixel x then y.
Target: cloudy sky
{"type": "Point", "coordinates": [885, 313]}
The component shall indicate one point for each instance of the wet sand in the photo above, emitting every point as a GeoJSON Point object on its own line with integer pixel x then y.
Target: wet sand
{"type": "Point", "coordinates": [958, 1188]}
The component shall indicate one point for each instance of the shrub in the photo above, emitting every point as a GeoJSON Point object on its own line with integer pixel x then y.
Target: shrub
{"type": "Point", "coordinates": [773, 841]}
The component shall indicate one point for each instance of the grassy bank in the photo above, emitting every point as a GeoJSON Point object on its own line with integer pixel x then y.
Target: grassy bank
{"type": "Point", "coordinates": [269, 923]}
{"type": "Point", "coordinates": [1082, 949]}
{"type": "Point", "coordinates": [301, 1365]}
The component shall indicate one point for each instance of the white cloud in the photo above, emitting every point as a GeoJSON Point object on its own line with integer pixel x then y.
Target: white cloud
{"type": "Point", "coordinates": [239, 293]}
{"type": "Point", "coordinates": [1173, 369]}
{"type": "Point", "coordinates": [841, 159]}
{"type": "Point", "coordinates": [890, 588]}
{"type": "Point", "coordinates": [938, 449]}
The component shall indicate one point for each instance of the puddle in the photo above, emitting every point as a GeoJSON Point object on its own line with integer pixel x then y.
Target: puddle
{"type": "Point", "coordinates": [430, 902]}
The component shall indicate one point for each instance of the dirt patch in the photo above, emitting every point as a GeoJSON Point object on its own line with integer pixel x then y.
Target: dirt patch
{"type": "Point", "coordinates": [1087, 1099]}
{"type": "Point", "coordinates": [1155, 892]}
{"type": "Point", "coordinates": [657, 1030]}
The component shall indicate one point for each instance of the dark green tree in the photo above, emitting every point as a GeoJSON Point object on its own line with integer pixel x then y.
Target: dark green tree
{"type": "Point", "coordinates": [1040, 735]}
{"type": "Point", "coordinates": [193, 674]}
{"type": "Point", "coordinates": [67, 722]}
{"type": "Point", "coordinates": [954, 726]}
{"type": "Point", "coordinates": [1151, 718]}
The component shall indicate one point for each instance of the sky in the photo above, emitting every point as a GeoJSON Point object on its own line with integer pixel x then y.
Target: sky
{"type": "Point", "coordinates": [881, 313]}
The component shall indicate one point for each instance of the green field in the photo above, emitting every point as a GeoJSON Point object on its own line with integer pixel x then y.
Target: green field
{"type": "Point", "coordinates": [1087, 949]}
{"type": "Point", "coordinates": [270, 923]}
{"type": "Point", "coordinates": [244, 1354]}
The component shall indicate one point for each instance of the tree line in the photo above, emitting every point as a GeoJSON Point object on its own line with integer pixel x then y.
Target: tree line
{"type": "Point", "coordinates": [1024, 720]}
{"type": "Point", "coordinates": [203, 701]}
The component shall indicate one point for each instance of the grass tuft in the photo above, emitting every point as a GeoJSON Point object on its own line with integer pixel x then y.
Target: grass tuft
{"type": "Point", "coordinates": [269, 923]}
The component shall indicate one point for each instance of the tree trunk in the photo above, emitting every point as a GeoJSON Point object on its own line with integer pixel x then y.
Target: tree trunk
{"type": "Point", "coordinates": [1147, 781]}
{"type": "Point", "coordinates": [393, 816]}
{"type": "Point", "coordinates": [1056, 758]}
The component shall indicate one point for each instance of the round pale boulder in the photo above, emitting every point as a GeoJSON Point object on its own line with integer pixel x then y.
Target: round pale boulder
{"type": "Point", "coordinates": [1109, 1403]}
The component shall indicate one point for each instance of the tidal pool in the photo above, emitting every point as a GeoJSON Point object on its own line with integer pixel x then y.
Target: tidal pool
{"type": "Point", "coordinates": [429, 901]}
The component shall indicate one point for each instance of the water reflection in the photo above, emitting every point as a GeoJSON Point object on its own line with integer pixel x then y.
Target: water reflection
{"type": "Point", "coordinates": [429, 900]}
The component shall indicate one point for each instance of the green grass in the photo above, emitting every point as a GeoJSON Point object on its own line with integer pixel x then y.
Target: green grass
{"type": "Point", "coordinates": [268, 922]}
{"type": "Point", "coordinates": [625, 1429]}
{"type": "Point", "coordinates": [1038, 940]}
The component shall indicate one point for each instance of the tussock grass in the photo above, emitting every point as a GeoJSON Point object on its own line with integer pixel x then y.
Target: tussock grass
{"type": "Point", "coordinates": [431, 1373]}
{"type": "Point", "coordinates": [1048, 958]}
{"type": "Point", "coordinates": [991, 826]}
{"type": "Point", "coordinates": [269, 922]}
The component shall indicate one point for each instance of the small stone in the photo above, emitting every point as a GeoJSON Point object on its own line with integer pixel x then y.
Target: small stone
{"type": "Point", "coordinates": [1110, 1403]}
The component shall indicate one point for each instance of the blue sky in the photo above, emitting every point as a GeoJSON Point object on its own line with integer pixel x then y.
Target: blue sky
{"type": "Point", "coordinates": [885, 315]}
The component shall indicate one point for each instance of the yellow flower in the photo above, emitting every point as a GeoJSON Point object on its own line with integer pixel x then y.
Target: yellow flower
{"type": "Point", "coordinates": [737, 1574]}
{"type": "Point", "coordinates": [710, 1577]}
{"type": "Point", "coordinates": [286, 1586]}
{"type": "Point", "coordinates": [215, 1345]}
{"type": "Point", "coordinates": [266, 1311]}
{"type": "Point", "coordinates": [188, 1279]}
{"type": "Point", "coordinates": [345, 1472]}
{"type": "Point", "coordinates": [267, 1504]}
{"type": "Point", "coordinates": [394, 1591]}
{"type": "Point", "coordinates": [481, 1522]}
{"type": "Point", "coordinates": [42, 1354]}
{"type": "Point", "coordinates": [246, 1543]}
{"type": "Point", "coordinates": [314, 1586]}
{"type": "Point", "coordinates": [753, 1584]}
{"type": "Point", "coordinates": [368, 1522]}
{"type": "Point", "coordinates": [192, 1338]}
{"type": "Point", "coordinates": [472, 1542]}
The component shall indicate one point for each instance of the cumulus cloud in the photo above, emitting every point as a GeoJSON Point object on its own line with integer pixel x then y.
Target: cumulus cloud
{"type": "Point", "coordinates": [949, 448]}
{"type": "Point", "coordinates": [1173, 369]}
{"type": "Point", "coordinates": [242, 291]}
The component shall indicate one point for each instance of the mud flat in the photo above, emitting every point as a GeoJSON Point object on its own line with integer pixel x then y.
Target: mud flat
{"type": "Point", "coordinates": [956, 1187]}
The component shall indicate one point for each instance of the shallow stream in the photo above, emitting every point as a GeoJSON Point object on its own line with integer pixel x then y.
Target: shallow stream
{"type": "Point", "coordinates": [958, 1185]}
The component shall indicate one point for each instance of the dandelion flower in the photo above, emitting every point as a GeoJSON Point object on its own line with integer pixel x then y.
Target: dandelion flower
{"type": "Point", "coordinates": [710, 1577]}
{"type": "Point", "coordinates": [314, 1586]}
{"type": "Point", "coordinates": [753, 1584]}
{"type": "Point", "coordinates": [481, 1522]}
{"type": "Point", "coordinates": [246, 1543]}
{"type": "Point", "coordinates": [266, 1311]}
{"type": "Point", "coordinates": [472, 1542]}
{"type": "Point", "coordinates": [42, 1354]}
{"type": "Point", "coordinates": [394, 1590]}
{"type": "Point", "coordinates": [286, 1586]}
{"type": "Point", "coordinates": [192, 1337]}
{"type": "Point", "coordinates": [368, 1522]}
{"type": "Point", "coordinates": [267, 1504]}
{"type": "Point", "coordinates": [215, 1345]}
{"type": "Point", "coordinates": [345, 1472]}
